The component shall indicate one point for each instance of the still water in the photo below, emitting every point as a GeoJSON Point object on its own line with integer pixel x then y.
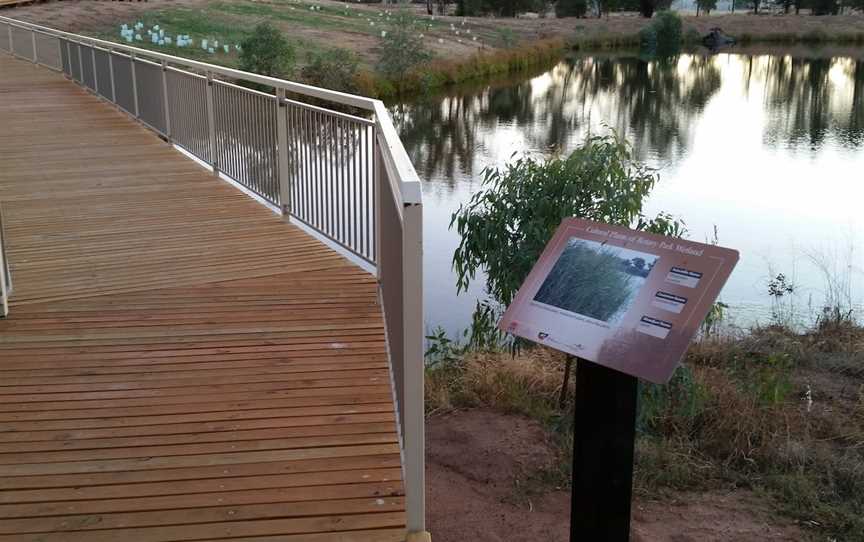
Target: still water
{"type": "Point", "coordinates": [767, 149]}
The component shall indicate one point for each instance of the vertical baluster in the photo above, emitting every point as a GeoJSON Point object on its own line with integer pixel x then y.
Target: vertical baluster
{"type": "Point", "coordinates": [165, 100]}
{"type": "Point", "coordinates": [310, 169]}
{"type": "Point", "coordinates": [69, 59]}
{"type": "Point", "coordinates": [313, 165]}
{"type": "Point", "coordinates": [211, 126]}
{"type": "Point", "coordinates": [134, 86]}
{"type": "Point", "coordinates": [355, 153]}
{"type": "Point", "coordinates": [244, 135]}
{"type": "Point", "coordinates": [111, 72]}
{"type": "Point", "coordinates": [300, 162]}
{"type": "Point", "coordinates": [229, 109]}
{"type": "Point", "coordinates": [331, 178]}
{"type": "Point", "coordinates": [95, 73]}
{"type": "Point", "coordinates": [293, 136]}
{"type": "Point", "coordinates": [365, 195]}
{"type": "Point", "coordinates": [375, 176]}
{"type": "Point", "coordinates": [343, 191]}
{"type": "Point", "coordinates": [256, 127]}
{"type": "Point", "coordinates": [60, 54]}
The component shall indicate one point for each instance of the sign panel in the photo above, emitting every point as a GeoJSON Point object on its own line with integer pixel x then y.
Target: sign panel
{"type": "Point", "coordinates": [625, 299]}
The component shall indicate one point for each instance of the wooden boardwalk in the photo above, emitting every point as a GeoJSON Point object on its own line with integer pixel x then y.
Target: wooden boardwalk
{"type": "Point", "coordinates": [179, 363]}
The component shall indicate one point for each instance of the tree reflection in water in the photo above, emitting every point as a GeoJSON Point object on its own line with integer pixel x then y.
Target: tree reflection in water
{"type": "Point", "coordinates": [656, 104]}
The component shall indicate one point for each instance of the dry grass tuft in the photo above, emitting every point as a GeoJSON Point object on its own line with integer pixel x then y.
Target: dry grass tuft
{"type": "Point", "coordinates": [527, 383]}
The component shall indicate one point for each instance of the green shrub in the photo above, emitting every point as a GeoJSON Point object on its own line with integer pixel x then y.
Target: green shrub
{"type": "Point", "coordinates": [678, 403]}
{"type": "Point", "coordinates": [663, 36]}
{"type": "Point", "coordinates": [267, 52]}
{"type": "Point", "coordinates": [505, 226]}
{"type": "Point", "coordinates": [692, 36]}
{"type": "Point", "coordinates": [402, 48]}
{"type": "Point", "coordinates": [506, 37]}
{"type": "Point", "coordinates": [335, 69]}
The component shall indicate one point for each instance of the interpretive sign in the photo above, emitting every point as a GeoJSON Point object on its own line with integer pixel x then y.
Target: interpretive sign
{"type": "Point", "coordinates": [625, 299]}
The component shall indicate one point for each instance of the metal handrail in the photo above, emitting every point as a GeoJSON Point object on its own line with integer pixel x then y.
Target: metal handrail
{"type": "Point", "coordinates": [309, 155]}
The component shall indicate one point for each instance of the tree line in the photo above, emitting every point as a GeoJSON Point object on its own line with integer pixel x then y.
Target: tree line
{"type": "Point", "coordinates": [647, 8]}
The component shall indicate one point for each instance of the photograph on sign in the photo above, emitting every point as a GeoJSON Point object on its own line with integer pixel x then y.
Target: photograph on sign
{"type": "Point", "coordinates": [626, 299]}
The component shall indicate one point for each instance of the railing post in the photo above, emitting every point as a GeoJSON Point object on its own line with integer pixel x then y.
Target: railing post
{"type": "Point", "coordinates": [134, 84]}
{"type": "Point", "coordinates": [4, 273]}
{"type": "Point", "coordinates": [69, 59]}
{"type": "Point", "coordinates": [35, 55]}
{"type": "Point", "coordinates": [80, 65]}
{"type": "Point", "coordinates": [413, 371]}
{"type": "Point", "coordinates": [95, 73]}
{"type": "Point", "coordinates": [165, 100]}
{"type": "Point", "coordinates": [377, 191]}
{"type": "Point", "coordinates": [11, 40]}
{"type": "Point", "coordinates": [111, 71]}
{"type": "Point", "coordinates": [211, 123]}
{"type": "Point", "coordinates": [282, 143]}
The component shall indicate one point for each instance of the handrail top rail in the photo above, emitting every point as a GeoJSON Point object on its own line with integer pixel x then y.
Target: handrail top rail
{"type": "Point", "coordinates": [410, 187]}
{"type": "Point", "coordinates": [291, 86]}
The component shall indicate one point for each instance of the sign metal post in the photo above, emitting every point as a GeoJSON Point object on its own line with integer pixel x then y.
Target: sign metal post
{"type": "Point", "coordinates": [604, 425]}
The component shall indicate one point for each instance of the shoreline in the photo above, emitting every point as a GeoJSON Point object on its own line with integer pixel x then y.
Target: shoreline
{"type": "Point", "coordinates": [503, 46]}
{"type": "Point", "coordinates": [440, 76]}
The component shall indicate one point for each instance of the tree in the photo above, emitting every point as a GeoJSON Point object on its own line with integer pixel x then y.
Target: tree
{"type": "Point", "coordinates": [503, 8]}
{"type": "Point", "coordinates": [571, 8]}
{"type": "Point", "coordinates": [705, 6]}
{"type": "Point", "coordinates": [645, 7]}
{"type": "Point", "coordinates": [505, 226]}
{"type": "Point", "coordinates": [785, 5]}
{"type": "Point", "coordinates": [824, 7]}
{"type": "Point", "coordinates": [750, 4]}
{"type": "Point", "coordinates": [605, 6]}
{"type": "Point", "coordinates": [334, 69]}
{"type": "Point", "coordinates": [663, 36]}
{"type": "Point", "coordinates": [267, 52]}
{"type": "Point", "coordinates": [402, 48]}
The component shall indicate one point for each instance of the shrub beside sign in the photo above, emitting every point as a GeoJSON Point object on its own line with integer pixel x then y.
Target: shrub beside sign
{"type": "Point", "coordinates": [625, 299]}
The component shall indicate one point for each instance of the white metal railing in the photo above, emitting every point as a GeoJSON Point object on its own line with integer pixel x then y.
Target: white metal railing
{"type": "Point", "coordinates": [344, 176]}
{"type": "Point", "coordinates": [5, 272]}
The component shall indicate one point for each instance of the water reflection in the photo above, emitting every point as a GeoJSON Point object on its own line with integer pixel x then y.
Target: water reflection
{"type": "Point", "coordinates": [810, 100]}
{"type": "Point", "coordinates": [656, 104]}
{"type": "Point", "coordinates": [767, 143]}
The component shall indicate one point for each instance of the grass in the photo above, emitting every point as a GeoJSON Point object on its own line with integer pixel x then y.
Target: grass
{"type": "Point", "coordinates": [483, 64]}
{"type": "Point", "coordinates": [472, 48]}
{"type": "Point", "coordinates": [775, 411]}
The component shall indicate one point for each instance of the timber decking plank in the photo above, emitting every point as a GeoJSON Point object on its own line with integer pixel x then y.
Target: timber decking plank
{"type": "Point", "coordinates": [179, 362]}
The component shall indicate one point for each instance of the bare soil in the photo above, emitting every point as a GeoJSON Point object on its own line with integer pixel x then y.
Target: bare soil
{"type": "Point", "coordinates": [479, 460]}
{"type": "Point", "coordinates": [83, 16]}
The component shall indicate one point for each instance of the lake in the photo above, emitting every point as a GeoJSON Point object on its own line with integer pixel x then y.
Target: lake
{"type": "Point", "coordinates": [766, 148]}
